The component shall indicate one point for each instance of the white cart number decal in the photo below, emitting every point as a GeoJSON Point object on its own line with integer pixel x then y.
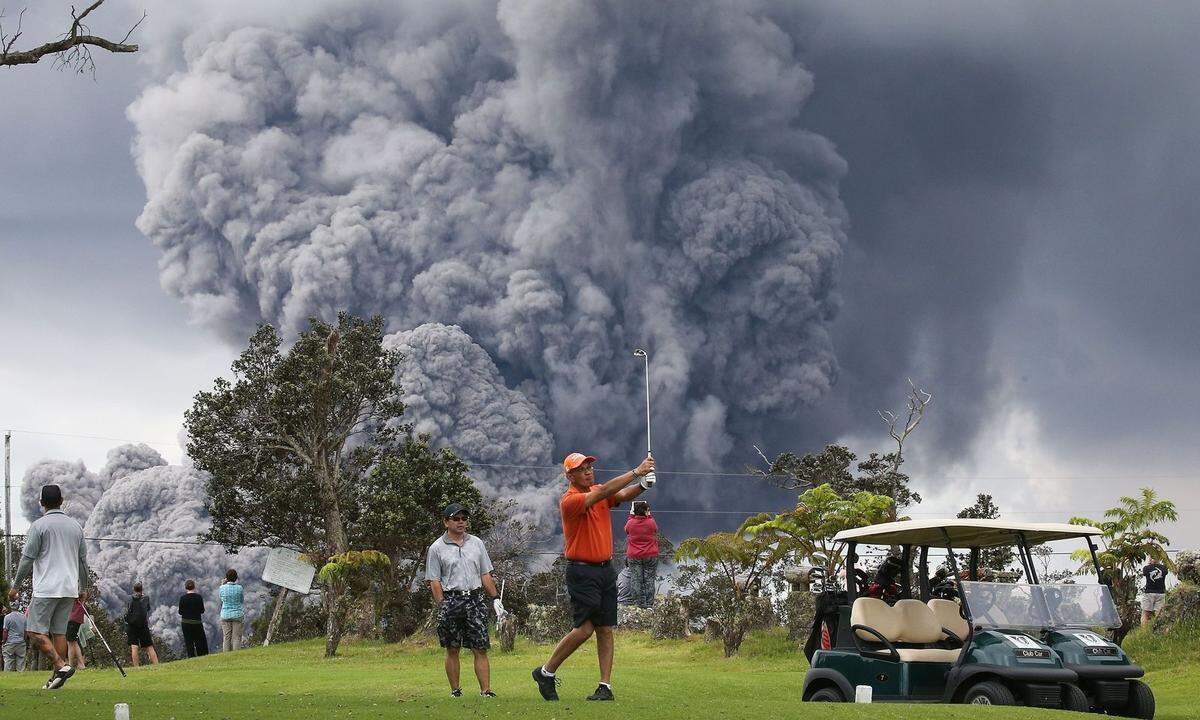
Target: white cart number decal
{"type": "Point", "coordinates": [1023, 641]}
{"type": "Point", "coordinates": [1092, 639]}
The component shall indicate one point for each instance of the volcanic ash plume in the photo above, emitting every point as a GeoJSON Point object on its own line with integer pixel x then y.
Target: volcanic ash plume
{"type": "Point", "coordinates": [560, 181]}
{"type": "Point", "coordinates": [81, 488]}
{"type": "Point", "coordinates": [164, 504]}
{"type": "Point", "coordinates": [455, 390]}
{"type": "Point", "coordinates": [137, 496]}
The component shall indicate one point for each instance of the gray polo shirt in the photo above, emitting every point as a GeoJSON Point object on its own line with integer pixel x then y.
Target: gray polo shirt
{"type": "Point", "coordinates": [56, 555]}
{"type": "Point", "coordinates": [14, 623]}
{"type": "Point", "coordinates": [457, 567]}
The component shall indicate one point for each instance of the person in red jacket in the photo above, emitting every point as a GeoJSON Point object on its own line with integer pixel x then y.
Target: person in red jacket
{"type": "Point", "coordinates": [641, 553]}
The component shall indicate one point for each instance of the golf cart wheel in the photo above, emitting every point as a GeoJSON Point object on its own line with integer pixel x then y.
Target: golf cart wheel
{"type": "Point", "coordinates": [827, 694]}
{"type": "Point", "coordinates": [1141, 701]}
{"type": "Point", "coordinates": [1074, 699]}
{"type": "Point", "coordinates": [989, 692]}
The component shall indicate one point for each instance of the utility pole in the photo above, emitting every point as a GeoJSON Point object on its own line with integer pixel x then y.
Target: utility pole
{"type": "Point", "coordinates": [8, 508]}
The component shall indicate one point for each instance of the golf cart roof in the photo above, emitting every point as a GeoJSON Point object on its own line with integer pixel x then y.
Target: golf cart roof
{"type": "Point", "coordinates": [965, 533]}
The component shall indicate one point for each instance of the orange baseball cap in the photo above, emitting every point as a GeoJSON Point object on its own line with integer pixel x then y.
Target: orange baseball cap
{"type": "Point", "coordinates": [575, 459]}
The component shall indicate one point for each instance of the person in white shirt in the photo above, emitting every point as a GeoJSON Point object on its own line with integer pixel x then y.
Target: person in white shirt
{"type": "Point", "coordinates": [56, 556]}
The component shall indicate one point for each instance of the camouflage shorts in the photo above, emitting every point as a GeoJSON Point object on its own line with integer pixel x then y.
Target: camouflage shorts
{"type": "Point", "coordinates": [462, 621]}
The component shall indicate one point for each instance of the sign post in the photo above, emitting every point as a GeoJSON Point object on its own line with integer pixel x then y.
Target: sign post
{"type": "Point", "coordinates": [287, 569]}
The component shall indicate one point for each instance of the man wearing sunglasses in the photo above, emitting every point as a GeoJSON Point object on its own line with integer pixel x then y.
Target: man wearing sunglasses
{"type": "Point", "coordinates": [459, 570]}
{"type": "Point", "coordinates": [591, 579]}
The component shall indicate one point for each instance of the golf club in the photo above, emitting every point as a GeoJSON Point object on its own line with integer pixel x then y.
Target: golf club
{"type": "Point", "coordinates": [113, 655]}
{"type": "Point", "coordinates": [650, 478]}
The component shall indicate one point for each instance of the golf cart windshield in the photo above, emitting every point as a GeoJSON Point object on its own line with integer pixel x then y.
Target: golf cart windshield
{"type": "Point", "coordinates": [1081, 606]}
{"type": "Point", "coordinates": [1019, 605]}
{"type": "Point", "coordinates": [1006, 605]}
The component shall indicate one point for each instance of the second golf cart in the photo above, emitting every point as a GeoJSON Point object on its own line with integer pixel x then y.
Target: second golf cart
{"type": "Point", "coordinates": [966, 640]}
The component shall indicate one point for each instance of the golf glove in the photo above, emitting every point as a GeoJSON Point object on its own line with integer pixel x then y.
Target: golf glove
{"type": "Point", "coordinates": [498, 606]}
{"type": "Point", "coordinates": [647, 481]}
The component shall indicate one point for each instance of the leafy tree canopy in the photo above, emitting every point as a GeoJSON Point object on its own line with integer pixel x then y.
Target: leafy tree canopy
{"type": "Point", "coordinates": [806, 532]}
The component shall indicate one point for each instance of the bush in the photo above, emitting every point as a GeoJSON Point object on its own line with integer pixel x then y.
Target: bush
{"type": "Point", "coordinates": [548, 623]}
{"type": "Point", "coordinates": [798, 609]}
{"type": "Point", "coordinates": [1187, 566]}
{"type": "Point", "coordinates": [1181, 608]}
{"type": "Point", "coordinates": [669, 620]}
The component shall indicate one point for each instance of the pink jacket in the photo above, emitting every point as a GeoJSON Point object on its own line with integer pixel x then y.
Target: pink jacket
{"type": "Point", "coordinates": [643, 541]}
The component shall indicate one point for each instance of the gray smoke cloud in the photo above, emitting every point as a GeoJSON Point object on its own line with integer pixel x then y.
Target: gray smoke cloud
{"type": "Point", "coordinates": [457, 395]}
{"type": "Point", "coordinates": [561, 184]}
{"type": "Point", "coordinates": [165, 503]}
{"type": "Point", "coordinates": [81, 488]}
{"type": "Point", "coordinates": [138, 496]}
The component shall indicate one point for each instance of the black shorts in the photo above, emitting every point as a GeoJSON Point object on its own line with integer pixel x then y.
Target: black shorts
{"type": "Point", "coordinates": [139, 635]}
{"type": "Point", "coordinates": [593, 592]}
{"type": "Point", "coordinates": [462, 621]}
{"type": "Point", "coordinates": [73, 631]}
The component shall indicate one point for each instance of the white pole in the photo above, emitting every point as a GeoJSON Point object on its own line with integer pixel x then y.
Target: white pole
{"type": "Point", "coordinates": [647, 358]}
{"type": "Point", "coordinates": [8, 508]}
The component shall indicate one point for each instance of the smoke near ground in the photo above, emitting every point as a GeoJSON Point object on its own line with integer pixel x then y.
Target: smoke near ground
{"type": "Point", "coordinates": [137, 496]}
{"type": "Point", "coordinates": [561, 182]}
{"type": "Point", "coordinates": [455, 393]}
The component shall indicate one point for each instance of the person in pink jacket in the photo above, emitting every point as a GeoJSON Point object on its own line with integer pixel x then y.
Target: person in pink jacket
{"type": "Point", "coordinates": [641, 553]}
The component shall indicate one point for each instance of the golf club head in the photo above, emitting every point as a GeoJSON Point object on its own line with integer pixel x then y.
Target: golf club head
{"type": "Point", "coordinates": [639, 353]}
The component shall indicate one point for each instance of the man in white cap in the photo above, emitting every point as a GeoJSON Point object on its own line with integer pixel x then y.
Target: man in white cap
{"type": "Point", "coordinates": [56, 555]}
{"type": "Point", "coordinates": [591, 580]}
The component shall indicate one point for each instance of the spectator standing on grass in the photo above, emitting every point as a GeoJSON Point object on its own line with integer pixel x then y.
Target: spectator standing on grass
{"type": "Point", "coordinates": [1154, 591]}
{"type": "Point", "coordinates": [12, 640]}
{"type": "Point", "coordinates": [56, 556]}
{"type": "Point", "coordinates": [232, 613]}
{"type": "Point", "coordinates": [641, 553]}
{"type": "Point", "coordinates": [74, 649]}
{"type": "Point", "coordinates": [191, 618]}
{"type": "Point", "coordinates": [137, 627]}
{"type": "Point", "coordinates": [459, 570]}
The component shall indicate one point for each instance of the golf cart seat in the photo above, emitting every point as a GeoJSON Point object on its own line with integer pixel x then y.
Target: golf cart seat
{"type": "Point", "coordinates": [908, 629]}
{"type": "Point", "coordinates": [949, 616]}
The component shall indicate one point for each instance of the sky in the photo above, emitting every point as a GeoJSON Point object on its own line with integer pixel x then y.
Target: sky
{"type": "Point", "coordinates": [997, 202]}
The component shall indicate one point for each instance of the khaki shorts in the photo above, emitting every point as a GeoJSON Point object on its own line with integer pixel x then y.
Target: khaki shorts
{"type": "Point", "coordinates": [49, 616]}
{"type": "Point", "coordinates": [1152, 602]}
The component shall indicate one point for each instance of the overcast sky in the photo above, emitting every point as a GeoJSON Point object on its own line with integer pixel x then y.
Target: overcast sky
{"type": "Point", "coordinates": [1022, 240]}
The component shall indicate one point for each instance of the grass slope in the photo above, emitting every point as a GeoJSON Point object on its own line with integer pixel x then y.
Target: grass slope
{"type": "Point", "coordinates": [662, 680]}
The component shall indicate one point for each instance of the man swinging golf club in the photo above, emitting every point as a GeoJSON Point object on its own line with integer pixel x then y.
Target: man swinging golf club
{"type": "Point", "coordinates": [56, 555]}
{"type": "Point", "coordinates": [591, 579]}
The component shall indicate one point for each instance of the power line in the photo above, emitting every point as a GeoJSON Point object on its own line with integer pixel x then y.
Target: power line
{"type": "Point", "coordinates": [697, 473]}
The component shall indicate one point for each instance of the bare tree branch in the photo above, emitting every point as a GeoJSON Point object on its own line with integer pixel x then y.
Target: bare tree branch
{"type": "Point", "coordinates": [73, 49]}
{"type": "Point", "coordinates": [918, 400]}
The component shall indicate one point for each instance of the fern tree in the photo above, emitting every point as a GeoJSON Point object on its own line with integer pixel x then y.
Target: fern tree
{"type": "Point", "coordinates": [1130, 540]}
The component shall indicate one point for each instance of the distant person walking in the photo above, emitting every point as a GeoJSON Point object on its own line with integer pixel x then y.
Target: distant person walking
{"type": "Point", "coordinates": [641, 553]}
{"type": "Point", "coordinates": [56, 556]}
{"type": "Point", "coordinates": [591, 580]}
{"type": "Point", "coordinates": [137, 627]}
{"type": "Point", "coordinates": [74, 623]}
{"type": "Point", "coordinates": [233, 615]}
{"type": "Point", "coordinates": [12, 640]}
{"type": "Point", "coordinates": [1154, 591]}
{"type": "Point", "coordinates": [459, 570]}
{"type": "Point", "coordinates": [191, 619]}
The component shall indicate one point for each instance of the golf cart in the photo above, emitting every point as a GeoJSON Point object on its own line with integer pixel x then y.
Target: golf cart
{"type": "Point", "coordinates": [969, 641]}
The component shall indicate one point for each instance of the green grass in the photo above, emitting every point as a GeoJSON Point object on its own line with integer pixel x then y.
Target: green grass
{"type": "Point", "coordinates": [660, 680]}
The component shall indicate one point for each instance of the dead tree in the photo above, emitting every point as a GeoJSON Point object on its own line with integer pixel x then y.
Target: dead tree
{"type": "Point", "coordinates": [918, 400]}
{"type": "Point", "coordinates": [72, 50]}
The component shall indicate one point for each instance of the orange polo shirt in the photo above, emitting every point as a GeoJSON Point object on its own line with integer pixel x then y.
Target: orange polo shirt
{"type": "Point", "coordinates": [587, 533]}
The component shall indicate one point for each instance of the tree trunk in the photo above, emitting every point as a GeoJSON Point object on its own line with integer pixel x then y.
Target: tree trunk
{"type": "Point", "coordinates": [335, 533]}
{"type": "Point", "coordinates": [335, 623]}
{"type": "Point", "coordinates": [276, 616]}
{"type": "Point", "coordinates": [733, 638]}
